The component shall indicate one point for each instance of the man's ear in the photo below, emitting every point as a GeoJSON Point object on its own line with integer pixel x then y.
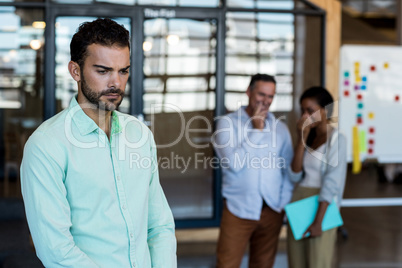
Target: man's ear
{"type": "Point", "coordinates": [248, 91]}
{"type": "Point", "coordinates": [74, 70]}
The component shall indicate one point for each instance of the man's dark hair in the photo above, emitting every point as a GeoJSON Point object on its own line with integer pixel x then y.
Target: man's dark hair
{"type": "Point", "coordinates": [105, 32]}
{"type": "Point", "coordinates": [261, 77]}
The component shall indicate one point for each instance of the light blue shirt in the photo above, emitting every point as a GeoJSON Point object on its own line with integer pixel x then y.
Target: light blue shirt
{"type": "Point", "coordinates": [91, 202]}
{"type": "Point", "coordinates": [254, 163]}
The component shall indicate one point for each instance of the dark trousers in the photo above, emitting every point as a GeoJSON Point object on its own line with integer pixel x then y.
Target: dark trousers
{"type": "Point", "coordinates": [236, 233]}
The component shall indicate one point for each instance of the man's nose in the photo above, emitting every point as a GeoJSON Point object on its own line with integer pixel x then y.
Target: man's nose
{"type": "Point", "coordinates": [115, 80]}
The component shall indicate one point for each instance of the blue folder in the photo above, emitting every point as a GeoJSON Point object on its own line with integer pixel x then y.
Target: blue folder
{"type": "Point", "coordinates": [301, 215]}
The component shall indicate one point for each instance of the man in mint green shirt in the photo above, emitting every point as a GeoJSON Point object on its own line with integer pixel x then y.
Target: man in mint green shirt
{"type": "Point", "coordinates": [89, 174]}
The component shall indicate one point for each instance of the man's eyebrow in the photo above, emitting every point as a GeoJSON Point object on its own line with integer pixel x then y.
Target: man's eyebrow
{"type": "Point", "coordinates": [110, 68]}
{"type": "Point", "coordinates": [124, 69]}
{"type": "Point", "coordinates": [103, 67]}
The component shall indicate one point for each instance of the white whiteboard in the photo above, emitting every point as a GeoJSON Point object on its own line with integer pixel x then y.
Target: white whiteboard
{"type": "Point", "coordinates": [370, 88]}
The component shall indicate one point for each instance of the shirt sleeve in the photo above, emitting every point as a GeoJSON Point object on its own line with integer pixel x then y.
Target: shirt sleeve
{"type": "Point", "coordinates": [294, 177]}
{"type": "Point", "coordinates": [161, 228]}
{"type": "Point", "coordinates": [287, 154]}
{"type": "Point", "coordinates": [229, 144]}
{"type": "Point", "coordinates": [46, 205]}
{"type": "Point", "coordinates": [335, 174]}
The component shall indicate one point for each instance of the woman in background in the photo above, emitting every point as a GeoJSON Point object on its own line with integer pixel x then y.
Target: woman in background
{"type": "Point", "coordinates": [318, 167]}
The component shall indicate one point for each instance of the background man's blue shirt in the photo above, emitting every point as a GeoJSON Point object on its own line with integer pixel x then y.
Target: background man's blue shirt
{"type": "Point", "coordinates": [257, 164]}
{"type": "Point", "coordinates": [91, 202]}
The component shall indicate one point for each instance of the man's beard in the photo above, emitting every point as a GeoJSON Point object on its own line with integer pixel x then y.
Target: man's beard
{"type": "Point", "coordinates": [94, 97]}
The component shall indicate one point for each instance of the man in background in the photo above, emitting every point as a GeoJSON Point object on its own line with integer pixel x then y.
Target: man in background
{"type": "Point", "coordinates": [257, 149]}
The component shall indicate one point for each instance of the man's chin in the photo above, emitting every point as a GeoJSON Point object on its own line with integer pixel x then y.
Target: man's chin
{"type": "Point", "coordinates": [109, 106]}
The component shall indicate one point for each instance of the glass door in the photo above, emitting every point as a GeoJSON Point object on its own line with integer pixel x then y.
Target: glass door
{"type": "Point", "coordinates": [172, 87]}
{"type": "Point", "coordinates": [21, 88]}
{"type": "Point", "coordinates": [179, 106]}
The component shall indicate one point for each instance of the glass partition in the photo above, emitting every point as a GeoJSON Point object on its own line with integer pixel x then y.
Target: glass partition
{"type": "Point", "coordinates": [179, 103]}
{"type": "Point", "coordinates": [172, 3]}
{"type": "Point", "coordinates": [259, 43]}
{"type": "Point", "coordinates": [21, 88]}
{"type": "Point", "coordinates": [204, 3]}
{"type": "Point", "coordinates": [271, 4]}
{"type": "Point", "coordinates": [7, 1]}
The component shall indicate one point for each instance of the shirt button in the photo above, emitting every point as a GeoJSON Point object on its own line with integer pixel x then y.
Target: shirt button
{"type": "Point", "coordinates": [124, 206]}
{"type": "Point", "coordinates": [133, 264]}
{"type": "Point", "coordinates": [131, 235]}
{"type": "Point", "coordinates": [118, 178]}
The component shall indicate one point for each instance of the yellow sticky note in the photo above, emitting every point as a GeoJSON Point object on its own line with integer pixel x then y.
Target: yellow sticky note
{"type": "Point", "coordinates": [357, 64]}
{"type": "Point", "coordinates": [371, 115]}
{"type": "Point", "coordinates": [386, 65]}
{"type": "Point", "coordinates": [358, 79]}
{"type": "Point", "coordinates": [357, 165]}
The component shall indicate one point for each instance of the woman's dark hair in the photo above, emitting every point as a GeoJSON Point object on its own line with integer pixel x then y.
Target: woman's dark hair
{"type": "Point", "coordinates": [324, 99]}
{"type": "Point", "coordinates": [105, 32]}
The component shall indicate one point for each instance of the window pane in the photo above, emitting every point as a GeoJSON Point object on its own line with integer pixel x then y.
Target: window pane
{"type": "Point", "coordinates": [21, 87]}
{"type": "Point", "coordinates": [22, 1]}
{"type": "Point", "coordinates": [237, 83]}
{"type": "Point", "coordinates": [158, 2]}
{"type": "Point", "coordinates": [271, 4]}
{"type": "Point", "coordinates": [154, 66]}
{"type": "Point", "coordinates": [280, 4]}
{"type": "Point", "coordinates": [267, 47]}
{"type": "Point", "coordinates": [189, 65]}
{"type": "Point", "coordinates": [179, 66]}
{"type": "Point", "coordinates": [189, 3]}
{"type": "Point", "coordinates": [123, 2]}
{"type": "Point", "coordinates": [198, 3]}
{"type": "Point", "coordinates": [240, 46]}
{"type": "Point", "coordinates": [187, 84]}
{"type": "Point", "coordinates": [241, 65]}
{"type": "Point", "coordinates": [153, 84]}
{"type": "Point", "coordinates": [241, 26]}
{"type": "Point", "coordinates": [73, 1]}
{"type": "Point", "coordinates": [234, 101]}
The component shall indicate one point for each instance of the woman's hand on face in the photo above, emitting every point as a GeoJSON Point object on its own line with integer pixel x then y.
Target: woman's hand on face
{"type": "Point", "coordinates": [304, 126]}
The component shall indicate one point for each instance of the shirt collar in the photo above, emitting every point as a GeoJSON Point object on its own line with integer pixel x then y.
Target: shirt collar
{"type": "Point", "coordinates": [85, 124]}
{"type": "Point", "coordinates": [116, 126]}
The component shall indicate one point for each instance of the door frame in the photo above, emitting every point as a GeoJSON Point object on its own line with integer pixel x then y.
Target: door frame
{"type": "Point", "coordinates": [138, 15]}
